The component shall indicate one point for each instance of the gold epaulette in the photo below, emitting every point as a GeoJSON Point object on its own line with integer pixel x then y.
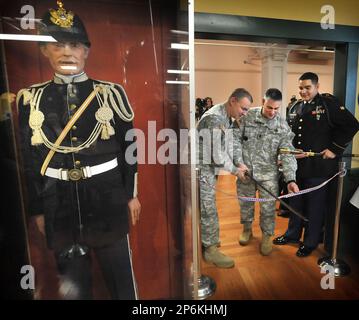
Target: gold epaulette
{"type": "Point", "coordinates": [29, 92]}
{"type": "Point", "coordinates": [26, 94]}
{"type": "Point", "coordinates": [112, 84]}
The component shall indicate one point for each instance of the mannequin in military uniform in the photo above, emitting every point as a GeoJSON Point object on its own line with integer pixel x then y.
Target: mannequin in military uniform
{"type": "Point", "coordinates": [76, 173]}
{"type": "Point", "coordinates": [322, 125]}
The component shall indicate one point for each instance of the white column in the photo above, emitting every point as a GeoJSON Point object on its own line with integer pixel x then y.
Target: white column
{"type": "Point", "coordinates": [274, 72]}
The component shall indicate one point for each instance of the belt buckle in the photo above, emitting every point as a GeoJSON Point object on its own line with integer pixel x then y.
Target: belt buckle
{"type": "Point", "coordinates": [75, 174]}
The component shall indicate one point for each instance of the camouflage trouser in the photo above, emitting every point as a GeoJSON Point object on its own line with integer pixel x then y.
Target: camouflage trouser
{"type": "Point", "coordinates": [267, 212]}
{"type": "Point", "coordinates": [209, 215]}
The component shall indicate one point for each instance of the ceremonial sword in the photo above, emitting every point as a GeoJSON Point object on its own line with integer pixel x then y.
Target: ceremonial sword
{"type": "Point", "coordinates": [290, 208]}
{"type": "Point", "coordinates": [313, 154]}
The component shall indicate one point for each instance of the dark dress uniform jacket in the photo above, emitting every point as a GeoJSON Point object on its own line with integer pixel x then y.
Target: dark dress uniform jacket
{"type": "Point", "coordinates": [321, 124]}
{"type": "Point", "coordinates": [93, 210]}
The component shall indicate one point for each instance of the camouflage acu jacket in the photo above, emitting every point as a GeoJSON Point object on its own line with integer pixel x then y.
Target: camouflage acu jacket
{"type": "Point", "coordinates": [216, 144]}
{"type": "Point", "coordinates": [260, 140]}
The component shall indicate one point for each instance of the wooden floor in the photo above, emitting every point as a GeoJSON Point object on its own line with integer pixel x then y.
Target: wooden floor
{"type": "Point", "coordinates": [282, 275]}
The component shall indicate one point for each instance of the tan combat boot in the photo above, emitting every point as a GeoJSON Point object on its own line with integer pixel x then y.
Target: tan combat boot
{"type": "Point", "coordinates": [246, 234]}
{"type": "Point", "coordinates": [266, 245]}
{"type": "Point", "coordinates": [213, 255]}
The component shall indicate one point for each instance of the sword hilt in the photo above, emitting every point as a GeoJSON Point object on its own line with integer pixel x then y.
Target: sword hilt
{"type": "Point", "coordinates": [298, 151]}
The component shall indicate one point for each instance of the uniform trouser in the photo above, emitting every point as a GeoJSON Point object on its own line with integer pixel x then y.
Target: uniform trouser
{"type": "Point", "coordinates": [313, 206]}
{"type": "Point", "coordinates": [267, 209]}
{"type": "Point", "coordinates": [116, 267]}
{"type": "Point", "coordinates": [209, 214]}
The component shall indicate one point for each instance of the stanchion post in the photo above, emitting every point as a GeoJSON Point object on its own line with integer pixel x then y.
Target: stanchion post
{"type": "Point", "coordinates": [206, 285]}
{"type": "Point", "coordinates": [340, 267]}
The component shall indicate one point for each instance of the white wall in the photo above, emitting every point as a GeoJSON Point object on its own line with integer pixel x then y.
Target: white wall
{"type": "Point", "coordinates": [324, 72]}
{"type": "Point", "coordinates": [221, 69]}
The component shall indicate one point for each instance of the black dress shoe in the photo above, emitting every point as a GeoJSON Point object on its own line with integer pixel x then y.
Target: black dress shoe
{"type": "Point", "coordinates": [304, 251]}
{"type": "Point", "coordinates": [284, 240]}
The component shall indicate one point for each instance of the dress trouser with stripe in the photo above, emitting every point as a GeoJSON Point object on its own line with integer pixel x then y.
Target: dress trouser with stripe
{"type": "Point", "coordinates": [116, 267]}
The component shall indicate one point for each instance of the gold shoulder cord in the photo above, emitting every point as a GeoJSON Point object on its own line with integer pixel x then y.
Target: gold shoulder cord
{"type": "Point", "coordinates": [68, 127]}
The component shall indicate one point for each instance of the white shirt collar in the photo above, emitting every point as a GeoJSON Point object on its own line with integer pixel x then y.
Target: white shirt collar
{"type": "Point", "coordinates": [66, 79]}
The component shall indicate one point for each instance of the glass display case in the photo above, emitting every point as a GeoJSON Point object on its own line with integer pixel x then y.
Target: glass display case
{"type": "Point", "coordinates": [120, 86]}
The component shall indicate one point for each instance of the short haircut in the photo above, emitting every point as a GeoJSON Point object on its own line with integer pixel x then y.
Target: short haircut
{"type": "Point", "coordinates": [273, 94]}
{"type": "Point", "coordinates": [240, 93]}
{"type": "Point", "coordinates": [310, 76]}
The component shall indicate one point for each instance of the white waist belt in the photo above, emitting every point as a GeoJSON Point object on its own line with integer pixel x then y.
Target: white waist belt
{"type": "Point", "coordinates": [81, 173]}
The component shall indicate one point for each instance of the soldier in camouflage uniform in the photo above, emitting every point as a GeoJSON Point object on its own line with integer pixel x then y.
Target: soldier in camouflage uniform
{"type": "Point", "coordinates": [261, 134]}
{"type": "Point", "coordinates": [215, 153]}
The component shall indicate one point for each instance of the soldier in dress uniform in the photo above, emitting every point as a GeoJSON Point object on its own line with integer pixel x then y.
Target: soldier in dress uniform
{"type": "Point", "coordinates": [262, 133]}
{"type": "Point", "coordinates": [217, 152]}
{"type": "Point", "coordinates": [76, 172]}
{"type": "Point", "coordinates": [322, 125]}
